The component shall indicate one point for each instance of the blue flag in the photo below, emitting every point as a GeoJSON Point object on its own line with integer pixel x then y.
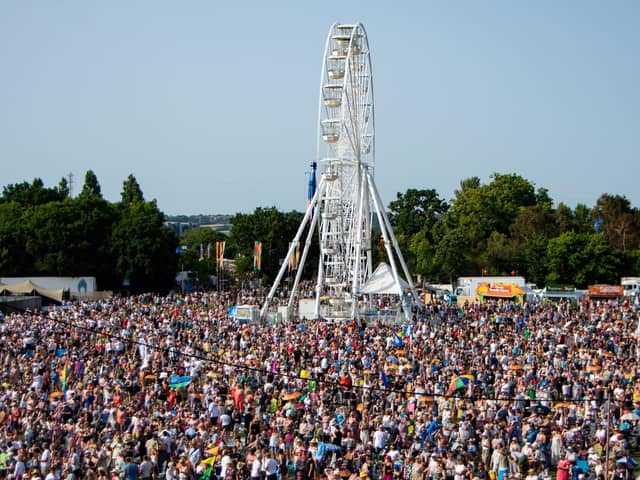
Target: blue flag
{"type": "Point", "coordinates": [385, 380]}
{"type": "Point", "coordinates": [179, 382]}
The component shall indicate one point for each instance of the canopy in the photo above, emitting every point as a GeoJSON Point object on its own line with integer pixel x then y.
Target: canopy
{"type": "Point", "coordinates": [28, 287]}
{"type": "Point", "coordinates": [381, 281]}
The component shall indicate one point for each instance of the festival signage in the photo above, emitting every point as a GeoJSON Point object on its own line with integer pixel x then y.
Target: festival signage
{"type": "Point", "coordinates": [606, 290]}
{"type": "Point", "coordinates": [500, 290]}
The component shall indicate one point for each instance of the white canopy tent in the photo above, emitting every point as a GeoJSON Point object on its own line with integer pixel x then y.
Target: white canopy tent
{"type": "Point", "coordinates": [383, 282]}
{"type": "Point", "coordinates": [30, 288]}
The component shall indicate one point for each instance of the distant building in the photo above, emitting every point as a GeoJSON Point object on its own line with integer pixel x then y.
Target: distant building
{"type": "Point", "coordinates": [181, 227]}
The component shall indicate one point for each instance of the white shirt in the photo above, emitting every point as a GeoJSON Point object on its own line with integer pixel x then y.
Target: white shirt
{"type": "Point", "coordinates": [255, 467]}
{"type": "Point", "coordinates": [271, 466]}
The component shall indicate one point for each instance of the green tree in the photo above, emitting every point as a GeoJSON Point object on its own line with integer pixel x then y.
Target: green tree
{"type": "Point", "coordinates": [414, 210]}
{"type": "Point", "coordinates": [271, 227]}
{"type": "Point", "coordinates": [619, 221]}
{"type": "Point", "coordinates": [91, 187]}
{"type": "Point", "coordinates": [63, 188]}
{"type": "Point", "coordinates": [530, 233]}
{"type": "Point", "coordinates": [14, 259]}
{"type": "Point", "coordinates": [466, 185]}
{"type": "Point", "coordinates": [413, 215]}
{"type": "Point", "coordinates": [478, 213]}
{"type": "Point", "coordinates": [31, 194]}
{"type": "Point", "coordinates": [131, 191]}
{"type": "Point", "coordinates": [144, 249]}
{"type": "Point", "coordinates": [582, 259]}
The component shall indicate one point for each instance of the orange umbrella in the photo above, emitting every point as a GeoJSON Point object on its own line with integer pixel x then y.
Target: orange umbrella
{"type": "Point", "coordinates": [54, 395]}
{"type": "Point", "coordinates": [151, 376]}
{"type": "Point", "coordinates": [292, 396]}
{"type": "Point", "coordinates": [562, 405]}
{"type": "Point", "coordinates": [594, 368]}
{"type": "Point", "coordinates": [515, 366]}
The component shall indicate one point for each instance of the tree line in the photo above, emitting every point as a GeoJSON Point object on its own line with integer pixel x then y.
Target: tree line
{"type": "Point", "coordinates": [45, 232]}
{"type": "Point", "coordinates": [507, 226]}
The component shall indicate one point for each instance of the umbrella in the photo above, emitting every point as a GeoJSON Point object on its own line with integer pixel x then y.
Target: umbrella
{"type": "Point", "coordinates": [515, 366]}
{"type": "Point", "coordinates": [630, 417]}
{"type": "Point", "coordinates": [392, 359]}
{"type": "Point", "coordinates": [502, 414]}
{"type": "Point", "coordinates": [539, 409]}
{"type": "Point", "coordinates": [461, 381]}
{"type": "Point", "coordinates": [593, 368]}
{"type": "Point", "coordinates": [56, 395]}
{"type": "Point", "coordinates": [292, 396]}
{"type": "Point", "coordinates": [212, 451]}
{"type": "Point", "coordinates": [562, 405]}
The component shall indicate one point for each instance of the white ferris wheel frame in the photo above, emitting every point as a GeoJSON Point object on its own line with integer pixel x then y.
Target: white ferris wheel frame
{"type": "Point", "coordinates": [346, 198]}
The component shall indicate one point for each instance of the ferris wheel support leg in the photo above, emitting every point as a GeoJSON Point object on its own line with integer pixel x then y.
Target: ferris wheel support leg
{"type": "Point", "coordinates": [388, 227]}
{"type": "Point", "coordinates": [386, 232]}
{"type": "Point", "coordinates": [292, 248]}
{"type": "Point", "coordinates": [316, 309]}
{"type": "Point", "coordinates": [307, 245]}
{"type": "Point", "coordinates": [405, 269]}
{"type": "Point", "coordinates": [356, 271]}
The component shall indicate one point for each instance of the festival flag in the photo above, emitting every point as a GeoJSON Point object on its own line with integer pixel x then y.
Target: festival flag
{"type": "Point", "coordinates": [220, 254]}
{"type": "Point", "coordinates": [201, 253]}
{"type": "Point", "coordinates": [408, 333]}
{"type": "Point", "coordinates": [294, 259]}
{"type": "Point", "coordinates": [179, 382]}
{"type": "Point", "coordinates": [64, 375]}
{"type": "Point", "coordinates": [385, 380]}
{"type": "Point", "coordinates": [311, 191]}
{"type": "Point", "coordinates": [397, 340]}
{"type": "Point", "coordinates": [257, 256]}
{"type": "Point", "coordinates": [207, 473]}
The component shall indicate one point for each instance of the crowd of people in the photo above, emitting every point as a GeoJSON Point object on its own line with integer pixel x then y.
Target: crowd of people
{"type": "Point", "coordinates": [175, 387]}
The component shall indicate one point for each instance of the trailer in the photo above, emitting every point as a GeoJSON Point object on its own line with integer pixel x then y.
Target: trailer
{"type": "Point", "coordinates": [468, 286]}
{"type": "Point", "coordinates": [631, 286]}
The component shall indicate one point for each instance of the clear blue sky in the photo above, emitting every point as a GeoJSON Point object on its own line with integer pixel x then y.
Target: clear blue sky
{"type": "Point", "coordinates": [212, 104]}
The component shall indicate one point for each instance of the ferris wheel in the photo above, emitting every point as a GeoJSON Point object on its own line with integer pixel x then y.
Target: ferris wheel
{"type": "Point", "coordinates": [346, 198]}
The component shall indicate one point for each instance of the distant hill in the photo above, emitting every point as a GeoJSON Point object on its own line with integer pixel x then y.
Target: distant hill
{"type": "Point", "coordinates": [214, 219]}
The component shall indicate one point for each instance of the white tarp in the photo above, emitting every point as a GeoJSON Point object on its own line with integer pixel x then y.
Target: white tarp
{"type": "Point", "coordinates": [381, 281]}
{"type": "Point", "coordinates": [78, 287]}
{"type": "Point", "coordinates": [29, 288]}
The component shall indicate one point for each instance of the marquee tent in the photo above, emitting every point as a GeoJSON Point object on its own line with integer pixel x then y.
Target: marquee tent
{"type": "Point", "coordinates": [382, 282]}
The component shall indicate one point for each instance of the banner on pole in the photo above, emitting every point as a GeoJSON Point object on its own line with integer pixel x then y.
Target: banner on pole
{"type": "Point", "coordinates": [257, 256]}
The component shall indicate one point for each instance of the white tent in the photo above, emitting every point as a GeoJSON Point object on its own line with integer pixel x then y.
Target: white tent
{"type": "Point", "coordinates": [29, 288]}
{"type": "Point", "coordinates": [381, 281]}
